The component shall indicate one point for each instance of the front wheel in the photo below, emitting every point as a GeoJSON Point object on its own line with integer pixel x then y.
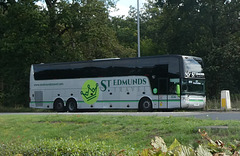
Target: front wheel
{"type": "Point", "coordinates": [145, 105]}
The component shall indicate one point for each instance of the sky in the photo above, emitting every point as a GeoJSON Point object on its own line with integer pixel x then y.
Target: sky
{"type": "Point", "coordinates": [123, 6]}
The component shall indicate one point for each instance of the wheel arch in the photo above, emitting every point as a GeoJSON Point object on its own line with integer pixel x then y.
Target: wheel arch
{"type": "Point", "coordinates": [143, 97]}
{"type": "Point", "coordinates": [71, 98]}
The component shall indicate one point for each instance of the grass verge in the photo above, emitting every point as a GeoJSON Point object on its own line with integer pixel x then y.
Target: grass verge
{"type": "Point", "coordinates": [22, 109]}
{"type": "Point", "coordinates": [116, 132]}
{"type": "Point", "coordinates": [215, 103]}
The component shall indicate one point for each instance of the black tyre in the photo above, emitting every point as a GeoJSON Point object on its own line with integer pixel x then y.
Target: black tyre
{"type": "Point", "coordinates": [145, 105]}
{"type": "Point", "coordinates": [71, 105]}
{"type": "Point", "coordinates": [59, 105]}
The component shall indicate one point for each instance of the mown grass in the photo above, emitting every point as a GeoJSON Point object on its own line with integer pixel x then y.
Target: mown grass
{"type": "Point", "coordinates": [119, 132]}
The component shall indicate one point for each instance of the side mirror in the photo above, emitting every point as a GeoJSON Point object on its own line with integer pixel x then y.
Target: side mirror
{"type": "Point", "coordinates": [178, 92]}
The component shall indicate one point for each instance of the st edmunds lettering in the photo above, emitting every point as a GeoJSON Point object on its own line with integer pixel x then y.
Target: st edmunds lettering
{"type": "Point", "coordinates": [119, 82]}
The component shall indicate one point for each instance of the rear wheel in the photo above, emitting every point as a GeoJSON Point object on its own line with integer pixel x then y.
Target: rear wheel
{"type": "Point", "coordinates": [71, 105]}
{"type": "Point", "coordinates": [59, 105]}
{"type": "Point", "coordinates": [145, 105]}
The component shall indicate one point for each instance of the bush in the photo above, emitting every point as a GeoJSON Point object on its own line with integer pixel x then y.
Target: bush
{"type": "Point", "coordinates": [56, 147]}
{"type": "Point", "coordinates": [215, 148]}
{"type": "Point", "coordinates": [85, 147]}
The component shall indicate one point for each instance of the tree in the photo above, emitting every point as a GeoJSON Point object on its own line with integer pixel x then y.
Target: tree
{"type": "Point", "coordinates": [205, 28]}
{"type": "Point", "coordinates": [126, 31]}
{"type": "Point", "coordinates": [223, 68]}
{"type": "Point", "coordinates": [22, 43]}
{"type": "Point", "coordinates": [82, 30]}
{"type": "Point", "coordinates": [98, 38]}
{"type": "Point", "coordinates": [224, 59]}
{"type": "Point", "coordinates": [64, 31]}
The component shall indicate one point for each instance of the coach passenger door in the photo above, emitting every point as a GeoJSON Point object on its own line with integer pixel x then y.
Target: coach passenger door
{"type": "Point", "coordinates": [174, 93]}
{"type": "Point", "coordinates": [162, 93]}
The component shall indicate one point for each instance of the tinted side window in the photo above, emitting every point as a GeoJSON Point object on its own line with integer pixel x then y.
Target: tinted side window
{"type": "Point", "coordinates": [163, 86]}
{"type": "Point", "coordinates": [150, 67]}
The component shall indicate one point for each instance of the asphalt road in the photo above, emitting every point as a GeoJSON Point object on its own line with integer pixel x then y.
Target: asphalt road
{"type": "Point", "coordinates": [233, 115]}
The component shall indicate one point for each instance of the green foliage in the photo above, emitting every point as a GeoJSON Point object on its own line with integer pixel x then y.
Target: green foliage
{"type": "Point", "coordinates": [59, 147]}
{"type": "Point", "coordinates": [207, 28]}
{"type": "Point", "coordinates": [159, 148]}
{"type": "Point", "coordinates": [1, 98]}
{"type": "Point", "coordinates": [223, 67]}
{"type": "Point", "coordinates": [126, 31]}
{"type": "Point", "coordinates": [130, 133]}
{"type": "Point", "coordinates": [83, 30]}
{"type": "Point", "coordinates": [21, 44]}
{"type": "Point", "coordinates": [56, 147]}
{"type": "Point", "coordinates": [63, 31]}
{"type": "Point", "coordinates": [218, 147]}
